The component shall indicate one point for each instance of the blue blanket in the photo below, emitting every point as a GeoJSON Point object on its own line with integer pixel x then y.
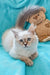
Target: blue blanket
{"type": "Point", "coordinates": [42, 62]}
{"type": "Point", "coordinates": [9, 11]}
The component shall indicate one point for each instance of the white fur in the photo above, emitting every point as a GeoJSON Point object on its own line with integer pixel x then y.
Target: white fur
{"type": "Point", "coordinates": [18, 50]}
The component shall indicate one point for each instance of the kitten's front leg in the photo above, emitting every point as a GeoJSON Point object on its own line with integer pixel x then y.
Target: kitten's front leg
{"type": "Point", "coordinates": [23, 58]}
{"type": "Point", "coordinates": [33, 56]}
{"type": "Point", "coordinates": [26, 60]}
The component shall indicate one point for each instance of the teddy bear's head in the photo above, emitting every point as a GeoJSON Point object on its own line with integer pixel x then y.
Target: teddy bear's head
{"type": "Point", "coordinates": [38, 17]}
{"type": "Point", "coordinates": [31, 15]}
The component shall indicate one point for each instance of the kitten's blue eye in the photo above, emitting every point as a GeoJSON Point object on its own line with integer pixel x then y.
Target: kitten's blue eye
{"type": "Point", "coordinates": [29, 39]}
{"type": "Point", "coordinates": [21, 40]}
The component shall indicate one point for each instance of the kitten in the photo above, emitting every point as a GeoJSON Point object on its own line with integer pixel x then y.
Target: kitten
{"type": "Point", "coordinates": [21, 44]}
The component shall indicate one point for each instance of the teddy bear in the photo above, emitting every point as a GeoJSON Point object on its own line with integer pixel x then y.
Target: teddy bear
{"type": "Point", "coordinates": [37, 16]}
{"type": "Point", "coordinates": [43, 25]}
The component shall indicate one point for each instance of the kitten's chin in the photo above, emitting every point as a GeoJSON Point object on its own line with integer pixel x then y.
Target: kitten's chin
{"type": "Point", "coordinates": [26, 46]}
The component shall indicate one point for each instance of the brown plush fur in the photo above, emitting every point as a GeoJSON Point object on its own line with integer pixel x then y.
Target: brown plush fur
{"type": "Point", "coordinates": [44, 32]}
{"type": "Point", "coordinates": [37, 18]}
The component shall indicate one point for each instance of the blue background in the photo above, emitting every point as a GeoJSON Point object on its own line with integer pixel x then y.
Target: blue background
{"type": "Point", "coordinates": [9, 11]}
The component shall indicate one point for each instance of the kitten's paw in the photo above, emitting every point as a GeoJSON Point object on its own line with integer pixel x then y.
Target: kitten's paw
{"type": "Point", "coordinates": [33, 56]}
{"type": "Point", "coordinates": [29, 62]}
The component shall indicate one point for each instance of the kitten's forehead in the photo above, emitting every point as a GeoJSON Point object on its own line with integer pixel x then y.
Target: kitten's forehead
{"type": "Point", "coordinates": [23, 33]}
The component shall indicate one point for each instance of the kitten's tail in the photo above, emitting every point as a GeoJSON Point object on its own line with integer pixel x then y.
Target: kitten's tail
{"type": "Point", "coordinates": [26, 14]}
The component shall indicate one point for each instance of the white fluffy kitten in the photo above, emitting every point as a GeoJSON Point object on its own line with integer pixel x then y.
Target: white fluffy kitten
{"type": "Point", "coordinates": [21, 44]}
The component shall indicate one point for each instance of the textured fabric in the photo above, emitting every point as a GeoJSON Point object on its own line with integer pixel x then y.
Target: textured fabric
{"type": "Point", "coordinates": [9, 11]}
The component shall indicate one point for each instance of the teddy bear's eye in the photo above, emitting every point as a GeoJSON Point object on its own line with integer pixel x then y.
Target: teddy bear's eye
{"type": "Point", "coordinates": [38, 14]}
{"type": "Point", "coordinates": [34, 17]}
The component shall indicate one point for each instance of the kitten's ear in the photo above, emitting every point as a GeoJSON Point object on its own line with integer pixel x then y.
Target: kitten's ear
{"type": "Point", "coordinates": [15, 33]}
{"type": "Point", "coordinates": [32, 28]}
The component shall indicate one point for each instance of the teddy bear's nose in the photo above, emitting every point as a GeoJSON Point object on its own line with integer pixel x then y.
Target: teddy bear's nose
{"type": "Point", "coordinates": [35, 17]}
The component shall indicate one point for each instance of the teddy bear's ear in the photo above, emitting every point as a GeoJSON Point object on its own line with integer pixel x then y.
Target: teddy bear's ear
{"type": "Point", "coordinates": [42, 8]}
{"type": "Point", "coordinates": [32, 28]}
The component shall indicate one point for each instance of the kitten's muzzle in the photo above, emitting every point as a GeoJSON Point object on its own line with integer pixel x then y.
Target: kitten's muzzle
{"type": "Point", "coordinates": [25, 45]}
